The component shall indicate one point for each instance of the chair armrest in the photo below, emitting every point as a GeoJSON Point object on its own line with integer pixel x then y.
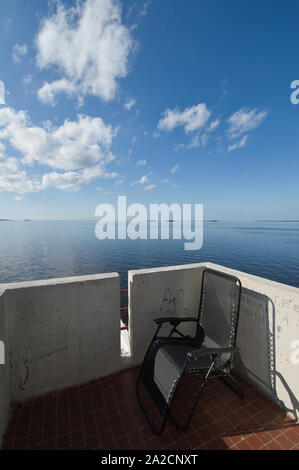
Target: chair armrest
{"type": "Point", "coordinates": [198, 353]}
{"type": "Point", "coordinates": [174, 320]}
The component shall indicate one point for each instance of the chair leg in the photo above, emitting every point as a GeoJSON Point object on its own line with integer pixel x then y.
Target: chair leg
{"type": "Point", "coordinates": [156, 431]}
{"type": "Point", "coordinates": [232, 384]}
{"type": "Point", "coordinates": [185, 426]}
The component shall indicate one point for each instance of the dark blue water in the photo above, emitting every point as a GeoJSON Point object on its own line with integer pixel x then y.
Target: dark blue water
{"type": "Point", "coordinates": [47, 249]}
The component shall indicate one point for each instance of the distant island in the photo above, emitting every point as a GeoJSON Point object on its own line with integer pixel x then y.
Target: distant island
{"type": "Point", "coordinates": [13, 220]}
{"type": "Point", "coordinates": [294, 220]}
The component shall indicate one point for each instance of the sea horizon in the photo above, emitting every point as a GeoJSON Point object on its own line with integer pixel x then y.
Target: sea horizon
{"type": "Point", "coordinates": [44, 249]}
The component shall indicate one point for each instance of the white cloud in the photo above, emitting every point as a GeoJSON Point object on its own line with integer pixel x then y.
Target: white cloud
{"type": "Point", "coordinates": [192, 119]}
{"type": "Point", "coordinates": [73, 180]}
{"type": "Point", "coordinates": [179, 146]}
{"type": "Point", "coordinates": [145, 8]}
{"type": "Point", "coordinates": [17, 182]}
{"type": "Point", "coordinates": [238, 145]}
{"type": "Point", "coordinates": [81, 148]}
{"type": "Point", "coordinates": [48, 91]}
{"type": "Point", "coordinates": [195, 142]}
{"type": "Point", "coordinates": [129, 104]}
{"type": "Point", "coordinates": [143, 180]}
{"type": "Point", "coordinates": [149, 187]}
{"type": "Point", "coordinates": [202, 140]}
{"type": "Point", "coordinates": [141, 163]}
{"type": "Point", "coordinates": [174, 169]}
{"type": "Point", "coordinates": [214, 125]}
{"type": "Point", "coordinates": [73, 145]}
{"type": "Point", "coordinates": [88, 45]}
{"type": "Point", "coordinates": [2, 93]}
{"type": "Point", "coordinates": [19, 51]}
{"type": "Point", "coordinates": [8, 116]}
{"type": "Point", "coordinates": [244, 121]}
{"type": "Point", "coordinates": [14, 179]}
{"type": "Point", "coordinates": [2, 150]}
{"type": "Point", "coordinates": [195, 121]}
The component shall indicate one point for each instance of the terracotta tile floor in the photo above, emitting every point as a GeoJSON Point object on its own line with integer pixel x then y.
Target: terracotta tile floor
{"type": "Point", "coordinates": [104, 414]}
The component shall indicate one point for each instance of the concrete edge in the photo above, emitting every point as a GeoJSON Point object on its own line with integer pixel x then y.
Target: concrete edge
{"type": "Point", "coordinates": [57, 281]}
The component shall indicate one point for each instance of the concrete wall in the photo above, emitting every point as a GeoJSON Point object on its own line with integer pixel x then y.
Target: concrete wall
{"type": "Point", "coordinates": [268, 326]}
{"type": "Point", "coordinates": [161, 292]}
{"type": "Point", "coordinates": [267, 334]}
{"type": "Point", "coordinates": [62, 332]}
{"type": "Point", "coordinates": [4, 369]}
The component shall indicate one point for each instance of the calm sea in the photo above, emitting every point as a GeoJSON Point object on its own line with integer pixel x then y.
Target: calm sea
{"type": "Point", "coordinates": [47, 249]}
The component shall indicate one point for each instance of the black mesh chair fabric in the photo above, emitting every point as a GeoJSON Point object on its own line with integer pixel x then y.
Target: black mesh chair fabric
{"type": "Point", "coordinates": [169, 358]}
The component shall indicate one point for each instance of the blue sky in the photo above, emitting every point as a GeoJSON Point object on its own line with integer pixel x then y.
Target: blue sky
{"type": "Point", "coordinates": [161, 101]}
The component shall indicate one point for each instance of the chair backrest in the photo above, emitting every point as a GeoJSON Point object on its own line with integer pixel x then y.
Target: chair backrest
{"type": "Point", "coordinates": [219, 307]}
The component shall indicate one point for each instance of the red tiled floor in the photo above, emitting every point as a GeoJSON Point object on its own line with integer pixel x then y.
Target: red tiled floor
{"type": "Point", "coordinates": [105, 414]}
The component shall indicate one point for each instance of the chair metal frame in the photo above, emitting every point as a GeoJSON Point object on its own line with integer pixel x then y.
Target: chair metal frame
{"type": "Point", "coordinates": [222, 372]}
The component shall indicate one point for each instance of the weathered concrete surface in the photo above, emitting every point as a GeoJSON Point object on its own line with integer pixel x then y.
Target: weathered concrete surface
{"type": "Point", "coordinates": [268, 330]}
{"type": "Point", "coordinates": [62, 332]}
{"type": "Point", "coordinates": [268, 326]}
{"type": "Point", "coordinates": [161, 292]}
{"type": "Point", "coordinates": [66, 331]}
{"type": "Point", "coordinates": [4, 369]}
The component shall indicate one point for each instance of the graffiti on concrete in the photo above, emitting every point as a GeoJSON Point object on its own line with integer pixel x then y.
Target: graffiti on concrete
{"type": "Point", "coordinates": [171, 302]}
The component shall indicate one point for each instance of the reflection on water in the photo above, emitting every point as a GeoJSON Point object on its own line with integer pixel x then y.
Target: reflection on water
{"type": "Point", "coordinates": [42, 250]}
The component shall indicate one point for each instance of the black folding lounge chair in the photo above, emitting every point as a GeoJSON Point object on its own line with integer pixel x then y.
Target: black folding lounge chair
{"type": "Point", "coordinates": [209, 352]}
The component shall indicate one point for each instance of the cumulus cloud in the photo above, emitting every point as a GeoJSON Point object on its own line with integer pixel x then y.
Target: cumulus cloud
{"type": "Point", "coordinates": [17, 181]}
{"type": "Point", "coordinates": [19, 51]}
{"type": "Point", "coordinates": [196, 122]}
{"type": "Point", "coordinates": [88, 46]}
{"type": "Point", "coordinates": [48, 91]}
{"type": "Point", "coordinates": [244, 121]}
{"type": "Point", "coordinates": [79, 149]}
{"type": "Point", "coordinates": [12, 177]}
{"type": "Point", "coordinates": [73, 180]}
{"type": "Point", "coordinates": [192, 119]}
{"type": "Point", "coordinates": [73, 145]}
{"type": "Point", "coordinates": [141, 163]}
